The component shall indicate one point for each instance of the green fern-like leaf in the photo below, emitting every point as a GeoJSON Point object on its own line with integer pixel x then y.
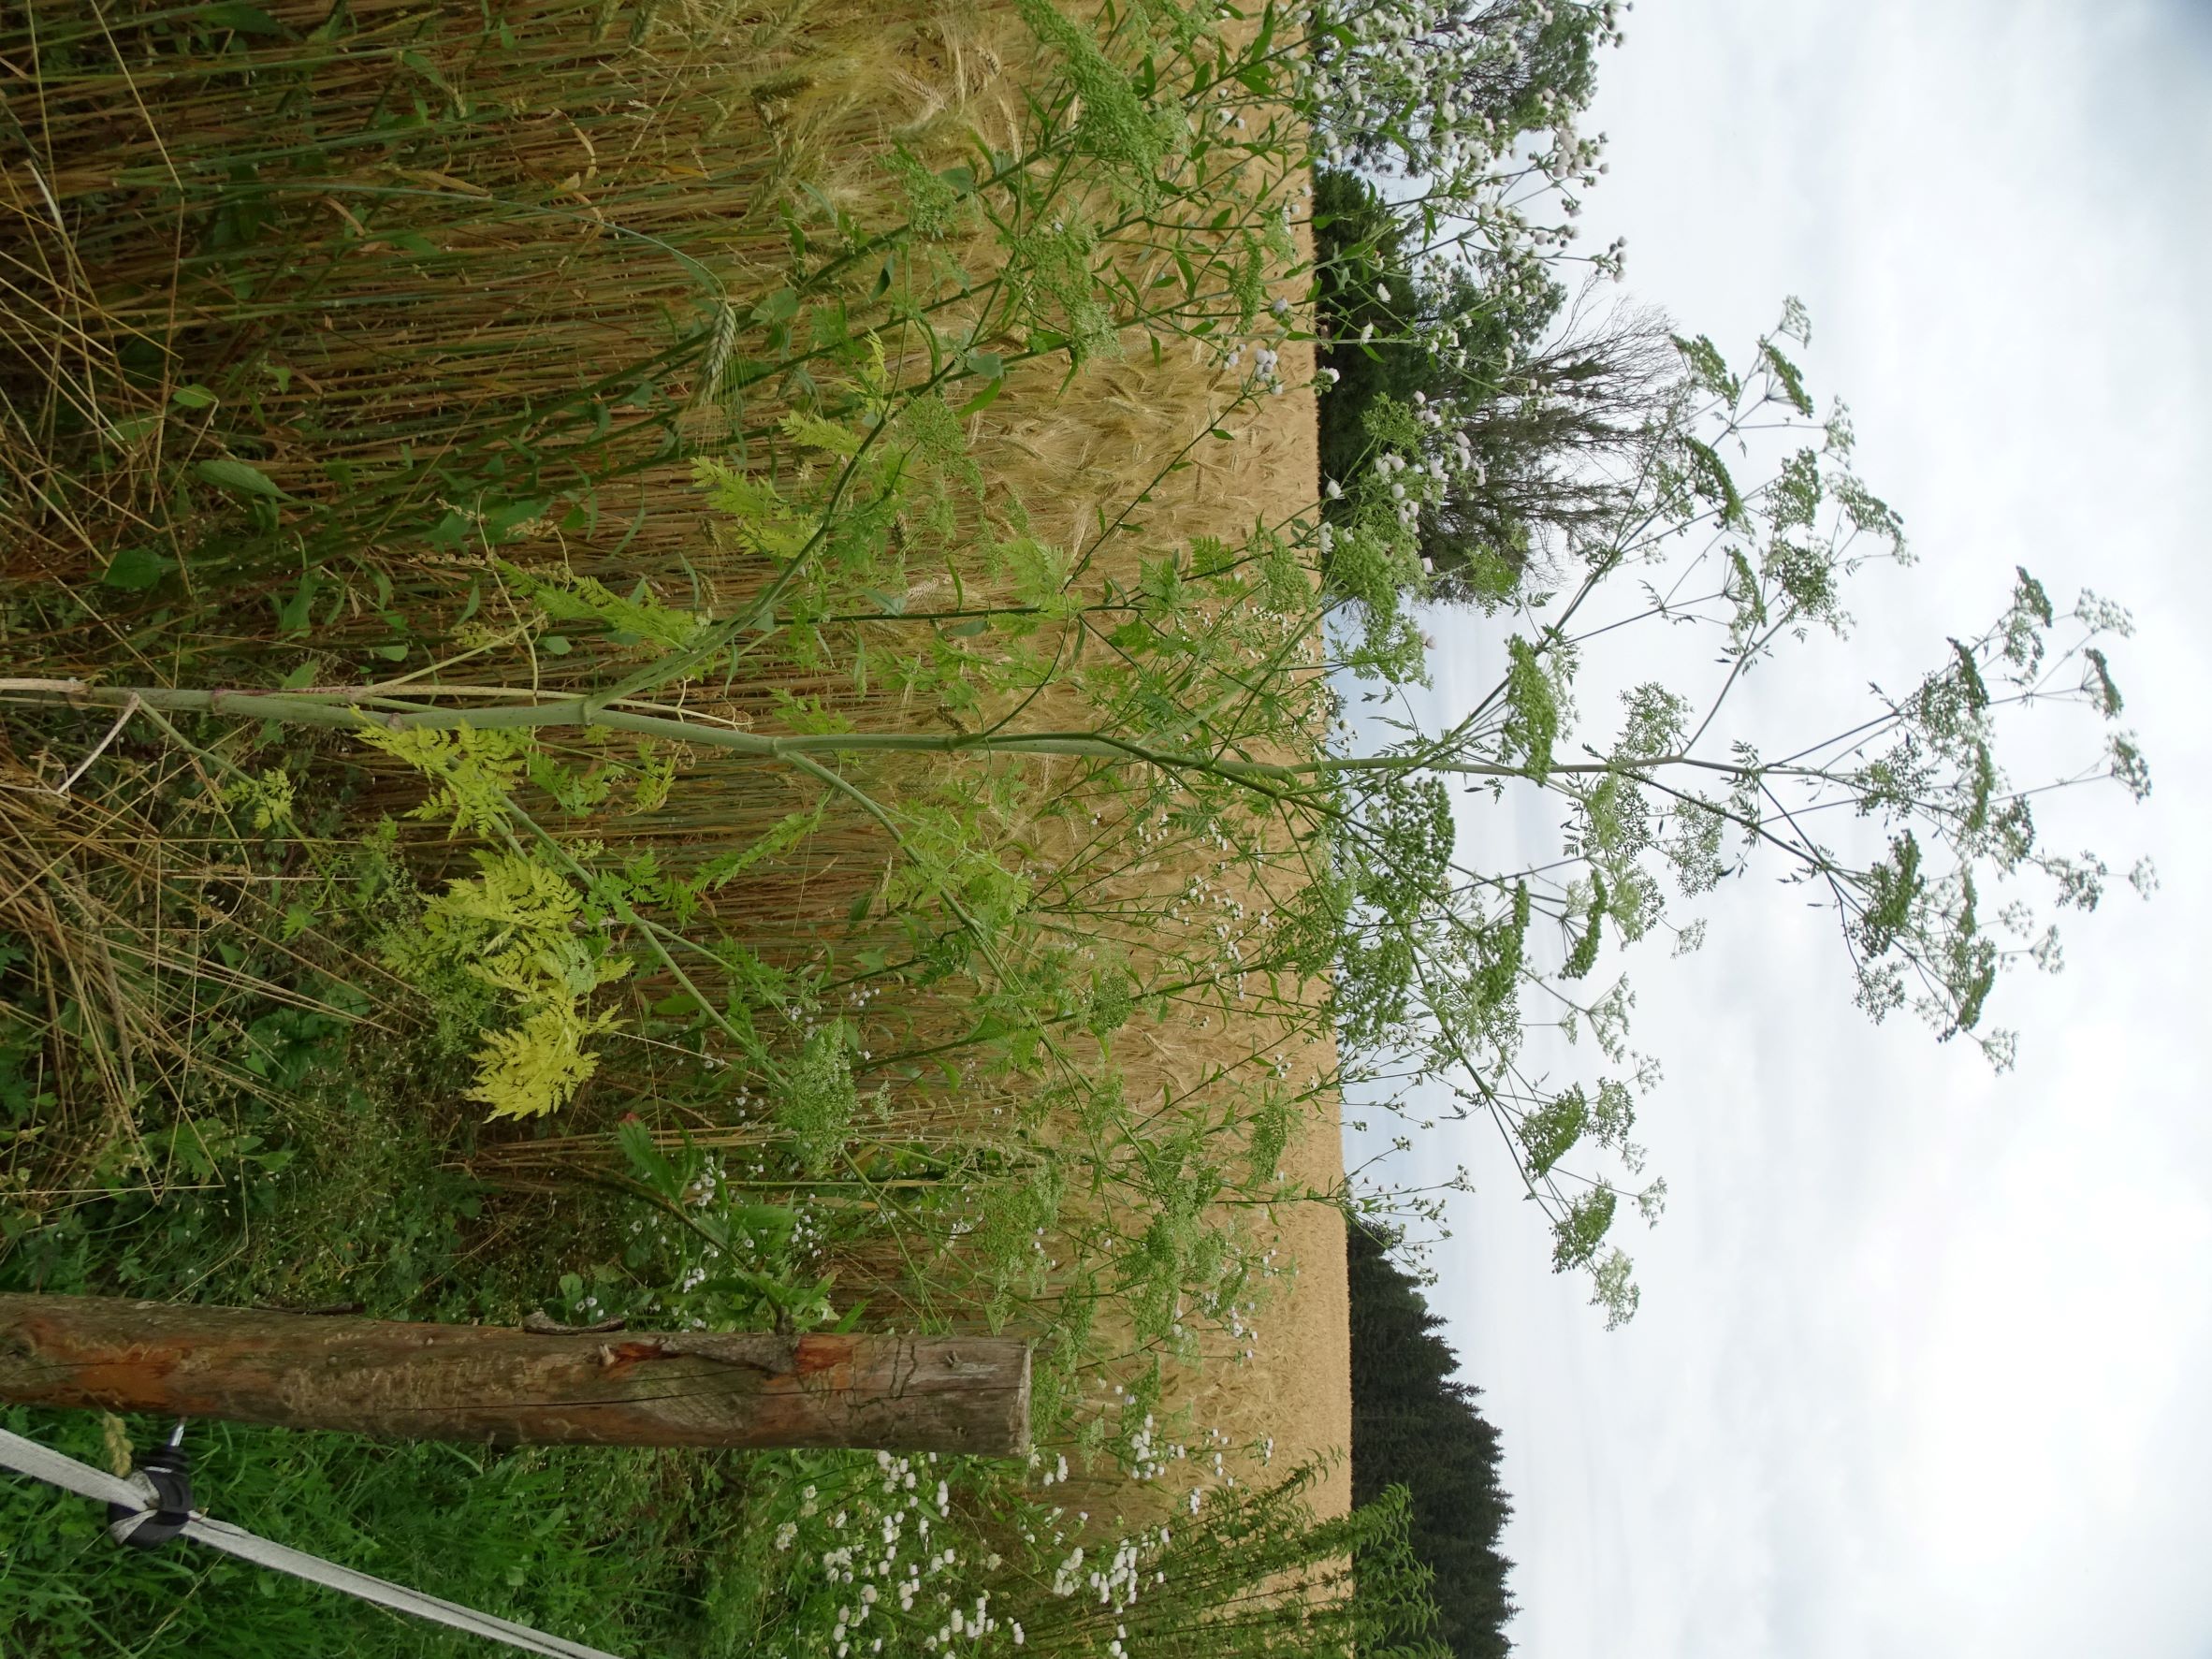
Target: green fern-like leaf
{"type": "Point", "coordinates": [474, 772]}
{"type": "Point", "coordinates": [536, 1068]}
{"type": "Point", "coordinates": [763, 521]}
{"type": "Point", "coordinates": [569, 598]}
{"type": "Point", "coordinates": [514, 928]}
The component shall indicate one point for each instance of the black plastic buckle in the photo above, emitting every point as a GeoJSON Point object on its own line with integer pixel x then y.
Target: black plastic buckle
{"type": "Point", "coordinates": [169, 1471]}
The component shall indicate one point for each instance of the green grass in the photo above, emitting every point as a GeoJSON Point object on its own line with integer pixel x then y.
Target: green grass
{"type": "Point", "coordinates": [637, 1552]}
{"type": "Point", "coordinates": [327, 1189]}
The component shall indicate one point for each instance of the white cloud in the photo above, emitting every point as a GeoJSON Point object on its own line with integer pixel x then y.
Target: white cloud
{"type": "Point", "coordinates": [1917, 1368]}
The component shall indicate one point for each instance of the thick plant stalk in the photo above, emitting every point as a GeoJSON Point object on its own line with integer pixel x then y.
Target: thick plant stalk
{"type": "Point", "coordinates": [368, 709]}
{"type": "Point", "coordinates": [509, 1387]}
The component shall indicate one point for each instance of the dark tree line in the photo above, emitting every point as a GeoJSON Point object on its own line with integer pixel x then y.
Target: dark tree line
{"type": "Point", "coordinates": [1415, 1425]}
{"type": "Point", "coordinates": [1550, 402]}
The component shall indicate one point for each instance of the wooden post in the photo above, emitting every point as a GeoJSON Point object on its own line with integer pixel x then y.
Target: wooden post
{"type": "Point", "coordinates": [472, 1382]}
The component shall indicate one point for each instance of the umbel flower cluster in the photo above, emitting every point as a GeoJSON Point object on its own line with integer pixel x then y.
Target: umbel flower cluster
{"type": "Point", "coordinates": [889, 1561]}
{"type": "Point", "coordinates": [1451, 131]}
{"type": "Point", "coordinates": [1445, 91]}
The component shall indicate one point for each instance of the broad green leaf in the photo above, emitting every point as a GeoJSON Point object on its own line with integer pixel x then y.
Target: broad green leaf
{"type": "Point", "coordinates": [502, 517]}
{"type": "Point", "coordinates": [982, 400]}
{"type": "Point", "coordinates": [240, 18]}
{"type": "Point", "coordinates": [240, 478]}
{"type": "Point", "coordinates": [135, 569]}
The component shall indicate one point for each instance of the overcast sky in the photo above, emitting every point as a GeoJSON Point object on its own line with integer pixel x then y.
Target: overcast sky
{"type": "Point", "coordinates": [1925, 1355]}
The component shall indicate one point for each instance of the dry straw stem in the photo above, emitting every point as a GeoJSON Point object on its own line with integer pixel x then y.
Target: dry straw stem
{"type": "Point", "coordinates": [112, 913]}
{"type": "Point", "coordinates": [449, 227]}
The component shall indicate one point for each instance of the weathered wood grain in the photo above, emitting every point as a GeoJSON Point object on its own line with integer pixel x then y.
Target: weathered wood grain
{"type": "Point", "coordinates": [469, 1382]}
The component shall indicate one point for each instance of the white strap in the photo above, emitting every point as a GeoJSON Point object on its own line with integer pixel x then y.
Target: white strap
{"type": "Point", "coordinates": [42, 1462]}
{"type": "Point", "coordinates": [27, 1457]}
